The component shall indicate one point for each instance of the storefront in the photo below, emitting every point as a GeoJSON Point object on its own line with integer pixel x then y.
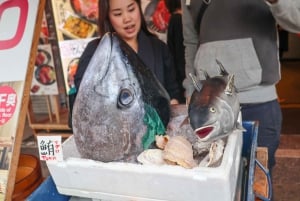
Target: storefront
{"type": "Point", "coordinates": [48, 48]}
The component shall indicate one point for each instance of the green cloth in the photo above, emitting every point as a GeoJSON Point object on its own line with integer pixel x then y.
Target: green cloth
{"type": "Point", "coordinates": [72, 91]}
{"type": "Point", "coordinates": [154, 126]}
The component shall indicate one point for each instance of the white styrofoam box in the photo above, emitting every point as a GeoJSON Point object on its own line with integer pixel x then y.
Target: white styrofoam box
{"type": "Point", "coordinates": [116, 181]}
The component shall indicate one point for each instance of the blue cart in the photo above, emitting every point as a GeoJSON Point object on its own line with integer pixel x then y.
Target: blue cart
{"type": "Point", "coordinates": [249, 153]}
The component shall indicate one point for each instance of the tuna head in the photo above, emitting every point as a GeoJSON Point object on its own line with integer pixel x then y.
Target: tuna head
{"type": "Point", "coordinates": [214, 108]}
{"type": "Point", "coordinates": [108, 114]}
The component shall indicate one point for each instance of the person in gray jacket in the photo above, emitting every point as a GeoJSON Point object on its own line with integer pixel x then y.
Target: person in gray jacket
{"type": "Point", "coordinates": [242, 35]}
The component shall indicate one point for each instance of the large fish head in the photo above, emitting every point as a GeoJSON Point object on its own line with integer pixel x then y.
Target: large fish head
{"type": "Point", "coordinates": [115, 83]}
{"type": "Point", "coordinates": [210, 110]}
{"type": "Point", "coordinates": [110, 105]}
{"type": "Point", "coordinates": [108, 108]}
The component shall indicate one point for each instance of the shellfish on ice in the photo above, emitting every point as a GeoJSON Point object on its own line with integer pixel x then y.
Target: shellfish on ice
{"type": "Point", "coordinates": [151, 157]}
{"type": "Point", "coordinates": [178, 150]}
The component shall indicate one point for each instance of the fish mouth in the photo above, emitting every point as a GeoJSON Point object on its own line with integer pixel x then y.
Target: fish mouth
{"type": "Point", "coordinates": [202, 132]}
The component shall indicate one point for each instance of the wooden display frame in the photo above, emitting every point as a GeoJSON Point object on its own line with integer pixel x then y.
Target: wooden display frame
{"type": "Point", "coordinates": [55, 122]}
{"type": "Point", "coordinates": [48, 112]}
{"type": "Point", "coordinates": [11, 132]}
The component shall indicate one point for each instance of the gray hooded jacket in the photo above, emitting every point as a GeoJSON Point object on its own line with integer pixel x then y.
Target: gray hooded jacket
{"type": "Point", "coordinates": [242, 35]}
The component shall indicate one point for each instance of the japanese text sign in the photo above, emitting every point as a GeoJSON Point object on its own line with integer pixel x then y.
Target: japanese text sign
{"type": "Point", "coordinates": [8, 102]}
{"type": "Point", "coordinates": [50, 148]}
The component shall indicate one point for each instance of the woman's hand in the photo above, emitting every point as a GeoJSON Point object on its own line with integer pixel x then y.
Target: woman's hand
{"type": "Point", "coordinates": [174, 102]}
{"type": "Point", "coordinates": [187, 101]}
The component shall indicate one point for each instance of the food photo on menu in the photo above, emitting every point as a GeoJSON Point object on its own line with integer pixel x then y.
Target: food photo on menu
{"type": "Point", "coordinates": [75, 19]}
{"type": "Point", "coordinates": [44, 76]}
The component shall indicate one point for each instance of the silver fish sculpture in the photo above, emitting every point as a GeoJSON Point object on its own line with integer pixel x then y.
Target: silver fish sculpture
{"type": "Point", "coordinates": [214, 109]}
{"type": "Point", "coordinates": [109, 110]}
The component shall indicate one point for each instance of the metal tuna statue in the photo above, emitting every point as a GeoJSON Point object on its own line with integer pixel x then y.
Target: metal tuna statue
{"type": "Point", "coordinates": [214, 109]}
{"type": "Point", "coordinates": [117, 95]}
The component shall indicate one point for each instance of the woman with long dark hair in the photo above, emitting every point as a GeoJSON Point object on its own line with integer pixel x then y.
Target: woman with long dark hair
{"type": "Point", "coordinates": [125, 18]}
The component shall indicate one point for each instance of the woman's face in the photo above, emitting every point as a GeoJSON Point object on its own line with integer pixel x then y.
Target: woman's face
{"type": "Point", "coordinates": [125, 18]}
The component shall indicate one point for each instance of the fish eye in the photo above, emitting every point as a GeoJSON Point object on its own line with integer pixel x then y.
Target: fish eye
{"type": "Point", "coordinates": [125, 98]}
{"type": "Point", "coordinates": [212, 109]}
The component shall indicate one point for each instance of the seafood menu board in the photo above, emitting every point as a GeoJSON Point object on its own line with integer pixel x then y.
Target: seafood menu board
{"type": "Point", "coordinates": [70, 52]}
{"type": "Point", "coordinates": [76, 25]}
{"type": "Point", "coordinates": [75, 19]}
{"type": "Point", "coordinates": [44, 76]}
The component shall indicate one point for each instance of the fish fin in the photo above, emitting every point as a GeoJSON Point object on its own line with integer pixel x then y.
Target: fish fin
{"type": "Point", "coordinates": [205, 74]}
{"type": "Point", "coordinates": [239, 126]}
{"type": "Point", "coordinates": [239, 122]}
{"type": "Point", "coordinates": [230, 85]}
{"type": "Point", "coordinates": [222, 68]}
{"type": "Point", "coordinates": [195, 82]}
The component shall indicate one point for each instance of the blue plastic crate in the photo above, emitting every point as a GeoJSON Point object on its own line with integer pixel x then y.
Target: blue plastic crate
{"type": "Point", "coordinates": [47, 192]}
